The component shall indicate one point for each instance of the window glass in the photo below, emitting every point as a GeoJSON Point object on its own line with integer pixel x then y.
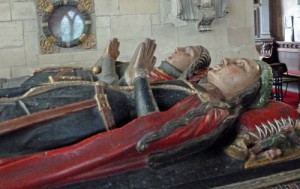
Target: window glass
{"type": "Point", "coordinates": [66, 24]}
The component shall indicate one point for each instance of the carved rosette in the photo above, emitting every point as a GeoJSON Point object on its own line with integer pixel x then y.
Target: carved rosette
{"type": "Point", "coordinates": [48, 42]}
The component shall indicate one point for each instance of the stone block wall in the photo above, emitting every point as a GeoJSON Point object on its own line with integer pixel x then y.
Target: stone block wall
{"type": "Point", "coordinates": [291, 8]}
{"type": "Point", "coordinates": [129, 20]}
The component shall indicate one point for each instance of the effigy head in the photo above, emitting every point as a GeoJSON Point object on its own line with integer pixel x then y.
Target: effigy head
{"type": "Point", "coordinates": [240, 79]}
{"type": "Point", "coordinates": [189, 60]}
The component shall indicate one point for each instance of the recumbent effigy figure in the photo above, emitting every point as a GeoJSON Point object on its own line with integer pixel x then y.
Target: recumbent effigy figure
{"type": "Point", "coordinates": [190, 62]}
{"type": "Point", "coordinates": [227, 84]}
{"type": "Point", "coordinates": [166, 116]}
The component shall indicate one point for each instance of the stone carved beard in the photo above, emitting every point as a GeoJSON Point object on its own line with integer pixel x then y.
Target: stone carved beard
{"type": "Point", "coordinates": [207, 14]}
{"type": "Point", "coordinates": [202, 11]}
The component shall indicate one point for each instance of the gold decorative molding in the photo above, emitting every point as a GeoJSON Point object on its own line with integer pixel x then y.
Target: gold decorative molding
{"type": "Point", "coordinates": [89, 42]}
{"type": "Point", "coordinates": [86, 5]}
{"type": "Point", "coordinates": [48, 46]}
{"type": "Point", "coordinates": [51, 42]}
{"type": "Point", "coordinates": [42, 5]}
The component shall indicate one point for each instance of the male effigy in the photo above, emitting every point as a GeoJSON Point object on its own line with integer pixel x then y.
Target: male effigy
{"type": "Point", "coordinates": [71, 131]}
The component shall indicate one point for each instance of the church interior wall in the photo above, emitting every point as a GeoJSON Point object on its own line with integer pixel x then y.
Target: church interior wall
{"type": "Point", "coordinates": [291, 8]}
{"type": "Point", "coordinates": [129, 20]}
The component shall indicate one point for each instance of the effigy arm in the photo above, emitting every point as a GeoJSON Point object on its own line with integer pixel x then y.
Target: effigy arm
{"type": "Point", "coordinates": [171, 126]}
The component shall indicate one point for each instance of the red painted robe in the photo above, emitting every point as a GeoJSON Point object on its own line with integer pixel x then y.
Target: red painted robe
{"type": "Point", "coordinates": [110, 152]}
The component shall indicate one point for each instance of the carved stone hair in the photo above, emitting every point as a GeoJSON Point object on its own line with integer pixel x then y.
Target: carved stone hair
{"type": "Point", "coordinates": [201, 62]}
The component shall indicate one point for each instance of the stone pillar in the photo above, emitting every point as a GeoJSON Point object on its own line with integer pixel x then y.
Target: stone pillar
{"type": "Point", "coordinates": [265, 19]}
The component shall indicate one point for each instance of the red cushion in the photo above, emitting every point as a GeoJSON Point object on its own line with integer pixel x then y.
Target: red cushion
{"type": "Point", "coordinates": [274, 110]}
{"type": "Point", "coordinates": [294, 72]}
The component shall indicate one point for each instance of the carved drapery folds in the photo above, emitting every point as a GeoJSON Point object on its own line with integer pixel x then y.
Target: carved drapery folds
{"type": "Point", "coordinates": [65, 24]}
{"type": "Point", "coordinates": [203, 12]}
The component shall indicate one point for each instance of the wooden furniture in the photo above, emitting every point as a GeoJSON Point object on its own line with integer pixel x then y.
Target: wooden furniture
{"type": "Point", "coordinates": [269, 55]}
{"type": "Point", "coordinates": [291, 77]}
{"type": "Point", "coordinates": [289, 53]}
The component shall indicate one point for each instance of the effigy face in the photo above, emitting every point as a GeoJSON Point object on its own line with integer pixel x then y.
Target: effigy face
{"type": "Point", "coordinates": [234, 75]}
{"type": "Point", "coordinates": [183, 57]}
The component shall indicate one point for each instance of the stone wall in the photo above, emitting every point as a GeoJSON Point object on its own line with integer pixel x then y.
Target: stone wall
{"type": "Point", "coordinates": [290, 8]}
{"type": "Point", "coordinates": [131, 21]}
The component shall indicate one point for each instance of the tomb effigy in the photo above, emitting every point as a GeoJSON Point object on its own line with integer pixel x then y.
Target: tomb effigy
{"type": "Point", "coordinates": [72, 130]}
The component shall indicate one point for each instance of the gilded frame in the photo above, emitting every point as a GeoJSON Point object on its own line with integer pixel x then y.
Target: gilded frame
{"type": "Point", "coordinates": [48, 42]}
